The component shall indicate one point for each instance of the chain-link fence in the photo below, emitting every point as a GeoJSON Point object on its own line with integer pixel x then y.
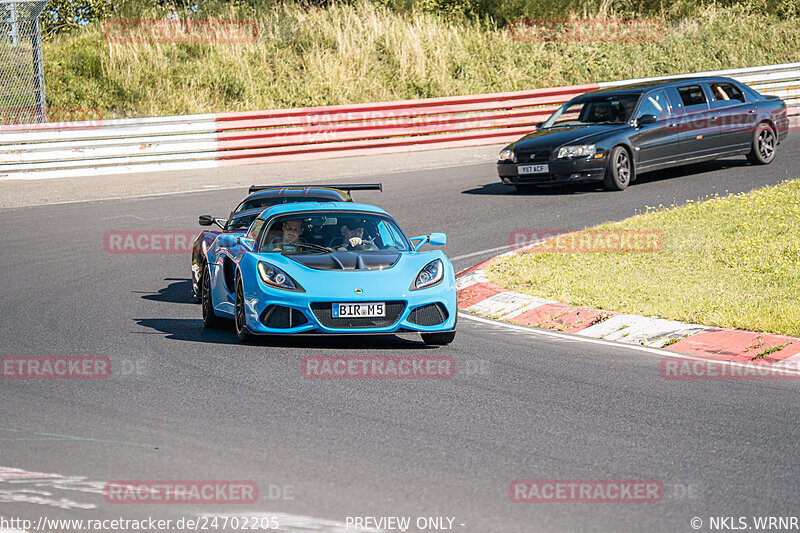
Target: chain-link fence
{"type": "Point", "coordinates": [22, 99]}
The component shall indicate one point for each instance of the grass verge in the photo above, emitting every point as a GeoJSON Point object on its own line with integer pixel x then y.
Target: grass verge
{"type": "Point", "coordinates": [731, 261]}
{"type": "Point", "coordinates": [362, 52]}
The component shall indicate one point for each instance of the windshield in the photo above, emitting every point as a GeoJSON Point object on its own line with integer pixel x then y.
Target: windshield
{"type": "Point", "coordinates": [600, 109]}
{"type": "Point", "coordinates": [332, 232]}
{"type": "Point", "coordinates": [277, 200]}
{"type": "Point", "coordinates": [241, 223]}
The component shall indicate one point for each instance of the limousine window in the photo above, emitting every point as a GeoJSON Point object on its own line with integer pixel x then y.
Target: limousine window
{"type": "Point", "coordinates": [692, 95]}
{"type": "Point", "coordinates": [726, 92]}
{"type": "Point", "coordinates": [600, 109]}
{"type": "Point", "coordinates": [655, 104]}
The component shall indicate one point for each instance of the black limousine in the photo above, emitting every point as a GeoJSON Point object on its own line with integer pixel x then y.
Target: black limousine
{"type": "Point", "coordinates": [611, 135]}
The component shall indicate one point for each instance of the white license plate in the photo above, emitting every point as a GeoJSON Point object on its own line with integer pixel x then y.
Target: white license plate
{"type": "Point", "coordinates": [365, 309]}
{"type": "Point", "coordinates": [533, 169]}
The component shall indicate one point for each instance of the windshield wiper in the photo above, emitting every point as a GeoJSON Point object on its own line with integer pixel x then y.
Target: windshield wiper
{"type": "Point", "coordinates": [307, 245]}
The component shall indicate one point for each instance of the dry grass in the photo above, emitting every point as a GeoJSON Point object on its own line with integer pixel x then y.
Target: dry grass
{"type": "Point", "coordinates": [729, 261]}
{"type": "Point", "coordinates": [362, 52]}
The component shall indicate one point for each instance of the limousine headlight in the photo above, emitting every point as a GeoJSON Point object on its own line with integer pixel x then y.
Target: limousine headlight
{"type": "Point", "coordinates": [577, 151]}
{"type": "Point", "coordinates": [508, 155]}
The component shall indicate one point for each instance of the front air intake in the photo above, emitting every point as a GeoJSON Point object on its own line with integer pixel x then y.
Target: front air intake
{"type": "Point", "coordinates": [428, 315]}
{"type": "Point", "coordinates": [280, 317]}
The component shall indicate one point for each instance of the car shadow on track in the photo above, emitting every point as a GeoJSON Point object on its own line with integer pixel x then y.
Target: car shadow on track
{"type": "Point", "coordinates": [179, 292]}
{"type": "Point", "coordinates": [691, 170]}
{"type": "Point", "coordinates": [499, 189]}
{"type": "Point", "coordinates": [183, 329]}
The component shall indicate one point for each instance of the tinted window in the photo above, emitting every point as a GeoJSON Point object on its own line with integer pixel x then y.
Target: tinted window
{"type": "Point", "coordinates": [241, 223]}
{"type": "Point", "coordinates": [325, 232]}
{"type": "Point", "coordinates": [692, 95]}
{"type": "Point", "coordinates": [596, 109]}
{"type": "Point", "coordinates": [655, 104]}
{"type": "Point", "coordinates": [726, 93]}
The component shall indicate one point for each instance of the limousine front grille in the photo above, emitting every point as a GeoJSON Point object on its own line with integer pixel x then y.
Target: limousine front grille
{"type": "Point", "coordinates": [539, 155]}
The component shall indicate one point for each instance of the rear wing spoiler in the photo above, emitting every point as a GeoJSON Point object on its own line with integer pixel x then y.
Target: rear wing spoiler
{"type": "Point", "coordinates": [342, 187]}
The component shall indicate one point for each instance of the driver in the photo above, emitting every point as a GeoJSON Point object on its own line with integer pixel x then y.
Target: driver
{"type": "Point", "coordinates": [601, 113]}
{"type": "Point", "coordinates": [353, 235]}
{"type": "Point", "coordinates": [292, 230]}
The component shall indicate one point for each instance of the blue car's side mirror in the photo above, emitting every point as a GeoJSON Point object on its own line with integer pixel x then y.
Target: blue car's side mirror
{"type": "Point", "coordinates": [434, 239]}
{"type": "Point", "coordinates": [437, 239]}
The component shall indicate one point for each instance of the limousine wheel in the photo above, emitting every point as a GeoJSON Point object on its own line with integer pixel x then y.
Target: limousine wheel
{"type": "Point", "coordinates": [619, 170]}
{"type": "Point", "coordinates": [763, 150]}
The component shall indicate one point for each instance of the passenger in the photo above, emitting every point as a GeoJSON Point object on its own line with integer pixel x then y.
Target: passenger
{"type": "Point", "coordinates": [292, 230]}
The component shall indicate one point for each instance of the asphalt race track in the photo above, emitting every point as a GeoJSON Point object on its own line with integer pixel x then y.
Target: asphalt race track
{"type": "Point", "coordinates": [185, 403]}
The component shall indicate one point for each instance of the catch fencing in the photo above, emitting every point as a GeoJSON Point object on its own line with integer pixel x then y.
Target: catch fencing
{"type": "Point", "coordinates": [22, 97]}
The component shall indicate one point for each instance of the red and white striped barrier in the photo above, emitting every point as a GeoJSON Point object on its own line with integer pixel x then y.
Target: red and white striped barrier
{"type": "Point", "coordinates": [40, 151]}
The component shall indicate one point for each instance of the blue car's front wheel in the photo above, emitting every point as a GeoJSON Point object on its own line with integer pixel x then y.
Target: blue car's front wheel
{"type": "Point", "coordinates": [240, 323]}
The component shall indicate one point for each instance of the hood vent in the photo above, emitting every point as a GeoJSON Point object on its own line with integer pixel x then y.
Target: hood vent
{"type": "Point", "coordinates": [347, 260]}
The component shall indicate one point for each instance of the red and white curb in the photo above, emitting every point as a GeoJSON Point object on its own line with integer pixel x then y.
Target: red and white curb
{"type": "Point", "coordinates": [478, 295]}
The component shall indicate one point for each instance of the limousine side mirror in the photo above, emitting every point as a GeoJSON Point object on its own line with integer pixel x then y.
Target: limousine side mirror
{"type": "Point", "coordinates": [646, 119]}
{"type": "Point", "coordinates": [538, 125]}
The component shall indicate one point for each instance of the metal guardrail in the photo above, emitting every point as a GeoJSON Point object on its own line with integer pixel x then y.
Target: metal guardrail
{"type": "Point", "coordinates": [40, 151]}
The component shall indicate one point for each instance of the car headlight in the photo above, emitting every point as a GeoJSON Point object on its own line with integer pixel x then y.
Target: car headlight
{"type": "Point", "coordinates": [577, 151]}
{"type": "Point", "coordinates": [508, 155]}
{"type": "Point", "coordinates": [430, 275]}
{"type": "Point", "coordinates": [275, 277]}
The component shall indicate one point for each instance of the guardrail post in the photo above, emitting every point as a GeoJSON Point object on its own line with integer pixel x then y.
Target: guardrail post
{"type": "Point", "coordinates": [13, 24]}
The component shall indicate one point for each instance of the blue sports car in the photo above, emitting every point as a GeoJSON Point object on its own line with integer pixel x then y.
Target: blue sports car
{"type": "Point", "coordinates": [329, 268]}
